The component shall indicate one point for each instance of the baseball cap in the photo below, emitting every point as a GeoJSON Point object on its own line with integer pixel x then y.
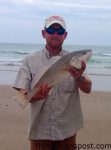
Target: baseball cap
{"type": "Point", "coordinates": [54, 19]}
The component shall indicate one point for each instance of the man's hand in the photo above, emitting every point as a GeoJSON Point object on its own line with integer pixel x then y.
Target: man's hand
{"type": "Point", "coordinates": [77, 73]}
{"type": "Point", "coordinates": [86, 84]}
{"type": "Point", "coordinates": [42, 93]}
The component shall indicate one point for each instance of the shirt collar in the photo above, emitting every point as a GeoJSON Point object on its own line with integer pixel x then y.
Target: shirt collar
{"type": "Point", "coordinates": [46, 52]}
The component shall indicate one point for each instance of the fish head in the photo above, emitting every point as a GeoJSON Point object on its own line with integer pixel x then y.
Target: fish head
{"type": "Point", "coordinates": [83, 55]}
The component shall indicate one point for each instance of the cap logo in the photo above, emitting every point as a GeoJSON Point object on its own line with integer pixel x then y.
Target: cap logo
{"type": "Point", "coordinates": [55, 18]}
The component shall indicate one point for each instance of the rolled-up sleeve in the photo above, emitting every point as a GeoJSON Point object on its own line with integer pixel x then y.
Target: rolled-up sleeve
{"type": "Point", "coordinates": [23, 78]}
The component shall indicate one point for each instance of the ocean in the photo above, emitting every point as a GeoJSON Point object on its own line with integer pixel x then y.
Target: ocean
{"type": "Point", "coordinates": [11, 55]}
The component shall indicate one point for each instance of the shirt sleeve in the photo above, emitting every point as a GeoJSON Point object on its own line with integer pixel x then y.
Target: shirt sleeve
{"type": "Point", "coordinates": [23, 79]}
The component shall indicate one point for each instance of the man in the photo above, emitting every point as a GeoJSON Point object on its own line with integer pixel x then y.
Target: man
{"type": "Point", "coordinates": [55, 118]}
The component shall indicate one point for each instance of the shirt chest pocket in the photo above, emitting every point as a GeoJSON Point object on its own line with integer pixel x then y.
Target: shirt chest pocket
{"type": "Point", "coordinates": [37, 74]}
{"type": "Point", "coordinates": [67, 86]}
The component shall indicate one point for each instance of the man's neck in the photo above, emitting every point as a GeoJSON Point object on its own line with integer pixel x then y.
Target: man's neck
{"type": "Point", "coordinates": [53, 51]}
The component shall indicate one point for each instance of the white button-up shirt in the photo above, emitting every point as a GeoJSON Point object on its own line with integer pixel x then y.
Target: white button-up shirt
{"type": "Point", "coordinates": [59, 116]}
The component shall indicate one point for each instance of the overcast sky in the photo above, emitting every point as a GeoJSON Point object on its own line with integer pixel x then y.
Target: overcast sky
{"type": "Point", "coordinates": [88, 21]}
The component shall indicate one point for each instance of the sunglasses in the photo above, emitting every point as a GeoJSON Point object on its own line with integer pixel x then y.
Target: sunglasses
{"type": "Point", "coordinates": [51, 30]}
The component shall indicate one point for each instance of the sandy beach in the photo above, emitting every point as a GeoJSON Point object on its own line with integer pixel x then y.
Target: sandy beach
{"type": "Point", "coordinates": [14, 121]}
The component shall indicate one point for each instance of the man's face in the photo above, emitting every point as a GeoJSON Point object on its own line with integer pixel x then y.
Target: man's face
{"type": "Point", "coordinates": [54, 40]}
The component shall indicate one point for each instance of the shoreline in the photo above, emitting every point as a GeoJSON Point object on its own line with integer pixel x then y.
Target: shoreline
{"type": "Point", "coordinates": [100, 81]}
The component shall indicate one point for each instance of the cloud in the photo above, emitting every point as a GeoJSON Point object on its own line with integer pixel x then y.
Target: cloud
{"type": "Point", "coordinates": [78, 5]}
{"type": "Point", "coordinates": [103, 4]}
{"type": "Point", "coordinates": [32, 2]}
{"type": "Point", "coordinates": [7, 10]}
{"type": "Point", "coordinates": [25, 18]}
{"type": "Point", "coordinates": [29, 1]}
{"type": "Point", "coordinates": [31, 9]}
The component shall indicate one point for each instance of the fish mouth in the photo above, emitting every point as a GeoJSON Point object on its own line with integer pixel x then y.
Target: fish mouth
{"type": "Point", "coordinates": [87, 51]}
